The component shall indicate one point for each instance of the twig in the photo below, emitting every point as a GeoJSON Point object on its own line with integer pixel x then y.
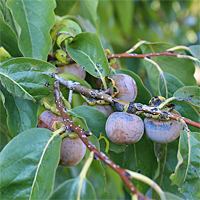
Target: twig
{"type": "Point", "coordinates": [148, 55]}
{"type": "Point", "coordinates": [97, 154]}
{"type": "Point", "coordinates": [99, 94]}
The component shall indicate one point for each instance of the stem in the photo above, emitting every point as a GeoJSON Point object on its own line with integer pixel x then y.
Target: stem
{"type": "Point", "coordinates": [149, 182]}
{"type": "Point", "coordinates": [136, 46]}
{"type": "Point", "coordinates": [83, 173]}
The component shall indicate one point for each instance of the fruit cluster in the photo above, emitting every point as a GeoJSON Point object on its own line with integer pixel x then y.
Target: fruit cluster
{"type": "Point", "coordinates": [125, 128]}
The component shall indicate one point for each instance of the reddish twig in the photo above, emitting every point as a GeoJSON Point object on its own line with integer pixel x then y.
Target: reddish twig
{"type": "Point", "coordinates": [99, 94]}
{"type": "Point", "coordinates": [148, 55]}
{"type": "Point", "coordinates": [97, 154]}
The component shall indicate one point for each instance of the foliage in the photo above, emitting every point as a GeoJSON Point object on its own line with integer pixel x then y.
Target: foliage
{"type": "Point", "coordinates": [34, 35]}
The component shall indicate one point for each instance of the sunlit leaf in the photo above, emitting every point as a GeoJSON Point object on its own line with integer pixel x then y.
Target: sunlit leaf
{"type": "Point", "coordinates": [35, 19]}
{"type": "Point", "coordinates": [91, 57]}
{"type": "Point", "coordinates": [24, 77]}
{"type": "Point", "coordinates": [28, 164]}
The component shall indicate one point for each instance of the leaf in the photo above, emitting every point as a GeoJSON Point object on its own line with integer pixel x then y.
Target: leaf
{"type": "Point", "coordinates": [91, 57]}
{"type": "Point", "coordinates": [173, 84]}
{"type": "Point", "coordinates": [95, 119]}
{"type": "Point", "coordinates": [8, 39]}
{"type": "Point", "coordinates": [183, 69]}
{"type": "Point", "coordinates": [26, 77]}
{"type": "Point", "coordinates": [143, 95]}
{"type": "Point", "coordinates": [28, 164]}
{"type": "Point", "coordinates": [69, 190]}
{"type": "Point", "coordinates": [170, 196]}
{"type": "Point", "coordinates": [190, 93]}
{"type": "Point", "coordinates": [187, 171]}
{"type": "Point", "coordinates": [72, 77]}
{"type": "Point", "coordinates": [89, 10]}
{"type": "Point", "coordinates": [63, 6]}
{"type": "Point", "coordinates": [195, 50]}
{"type": "Point", "coordinates": [22, 113]}
{"type": "Point", "coordinates": [35, 19]}
{"type": "Point", "coordinates": [3, 126]}
{"type": "Point", "coordinates": [8, 18]}
{"type": "Point", "coordinates": [167, 159]}
{"type": "Point", "coordinates": [140, 157]}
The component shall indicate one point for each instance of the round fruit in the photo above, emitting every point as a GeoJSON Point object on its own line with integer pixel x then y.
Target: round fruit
{"type": "Point", "coordinates": [73, 68]}
{"type": "Point", "coordinates": [105, 109]}
{"type": "Point", "coordinates": [163, 131]}
{"type": "Point", "coordinates": [72, 151]}
{"type": "Point", "coordinates": [124, 128]}
{"type": "Point", "coordinates": [127, 87]}
{"type": "Point", "coordinates": [47, 119]}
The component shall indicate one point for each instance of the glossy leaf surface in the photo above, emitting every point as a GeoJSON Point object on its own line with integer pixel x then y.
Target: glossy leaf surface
{"type": "Point", "coordinates": [35, 18]}
{"type": "Point", "coordinates": [91, 57]}
{"type": "Point", "coordinates": [28, 164]}
{"type": "Point", "coordinates": [25, 76]}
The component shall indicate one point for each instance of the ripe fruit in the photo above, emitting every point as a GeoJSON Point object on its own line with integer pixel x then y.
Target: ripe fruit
{"type": "Point", "coordinates": [47, 119]}
{"type": "Point", "coordinates": [72, 151]}
{"type": "Point", "coordinates": [127, 87]}
{"type": "Point", "coordinates": [163, 131]}
{"type": "Point", "coordinates": [124, 128]}
{"type": "Point", "coordinates": [73, 68]}
{"type": "Point", "coordinates": [105, 109]}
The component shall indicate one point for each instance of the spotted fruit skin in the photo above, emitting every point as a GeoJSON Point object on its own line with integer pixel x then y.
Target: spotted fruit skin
{"type": "Point", "coordinates": [163, 131]}
{"type": "Point", "coordinates": [73, 68]}
{"type": "Point", "coordinates": [105, 109]}
{"type": "Point", "coordinates": [47, 119]}
{"type": "Point", "coordinates": [72, 151]}
{"type": "Point", "coordinates": [124, 128]}
{"type": "Point", "coordinates": [127, 87]}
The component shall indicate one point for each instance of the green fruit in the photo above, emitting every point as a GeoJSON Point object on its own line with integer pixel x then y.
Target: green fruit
{"type": "Point", "coordinates": [124, 128]}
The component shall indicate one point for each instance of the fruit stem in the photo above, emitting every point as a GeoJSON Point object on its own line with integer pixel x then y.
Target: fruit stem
{"type": "Point", "coordinates": [83, 173]}
{"type": "Point", "coordinates": [60, 130]}
{"type": "Point", "coordinates": [148, 181]}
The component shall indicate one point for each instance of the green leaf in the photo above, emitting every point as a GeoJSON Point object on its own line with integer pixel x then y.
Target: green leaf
{"type": "Point", "coordinates": [195, 50]}
{"type": "Point", "coordinates": [91, 57]}
{"type": "Point", "coordinates": [63, 6]}
{"type": "Point", "coordinates": [35, 19]}
{"type": "Point", "coordinates": [27, 77]}
{"type": "Point", "coordinates": [187, 171]}
{"type": "Point", "coordinates": [167, 159]}
{"type": "Point", "coordinates": [183, 69]}
{"type": "Point", "coordinates": [72, 77]}
{"type": "Point", "coordinates": [190, 93]}
{"type": "Point", "coordinates": [69, 190]}
{"type": "Point", "coordinates": [140, 157]}
{"type": "Point", "coordinates": [8, 18]}
{"type": "Point", "coordinates": [170, 196]}
{"type": "Point", "coordinates": [8, 39]}
{"type": "Point", "coordinates": [22, 113]}
{"type": "Point", "coordinates": [3, 126]}
{"type": "Point", "coordinates": [143, 95]}
{"type": "Point", "coordinates": [89, 10]}
{"type": "Point", "coordinates": [28, 164]}
{"type": "Point", "coordinates": [173, 84]}
{"type": "Point", "coordinates": [95, 119]}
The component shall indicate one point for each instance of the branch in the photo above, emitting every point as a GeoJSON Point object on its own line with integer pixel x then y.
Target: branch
{"type": "Point", "coordinates": [99, 94]}
{"type": "Point", "coordinates": [148, 55]}
{"type": "Point", "coordinates": [125, 176]}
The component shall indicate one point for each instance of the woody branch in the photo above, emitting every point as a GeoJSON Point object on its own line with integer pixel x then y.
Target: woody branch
{"type": "Point", "coordinates": [125, 176]}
